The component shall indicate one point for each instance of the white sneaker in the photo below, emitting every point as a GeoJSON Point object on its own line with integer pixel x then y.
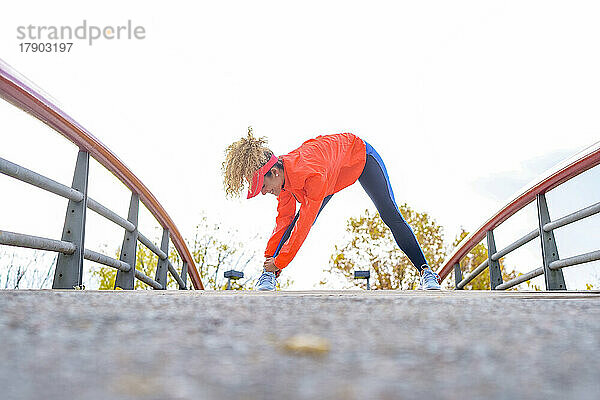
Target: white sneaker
{"type": "Point", "coordinates": [267, 281]}
{"type": "Point", "coordinates": [429, 280]}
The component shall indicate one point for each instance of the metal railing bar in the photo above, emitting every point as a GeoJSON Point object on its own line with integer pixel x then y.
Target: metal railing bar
{"type": "Point", "coordinates": [511, 247]}
{"type": "Point", "coordinates": [580, 259]}
{"type": "Point", "coordinates": [176, 275]}
{"type": "Point", "coordinates": [35, 179]}
{"type": "Point", "coordinates": [111, 262]}
{"type": "Point", "coordinates": [521, 278]}
{"type": "Point", "coordinates": [472, 275]}
{"type": "Point", "coordinates": [153, 248]}
{"type": "Point", "coordinates": [576, 216]}
{"type": "Point", "coordinates": [105, 260]}
{"type": "Point", "coordinates": [40, 243]}
{"type": "Point", "coordinates": [147, 280]}
{"type": "Point", "coordinates": [183, 275]}
{"type": "Point", "coordinates": [110, 215]}
{"type": "Point", "coordinates": [36, 242]}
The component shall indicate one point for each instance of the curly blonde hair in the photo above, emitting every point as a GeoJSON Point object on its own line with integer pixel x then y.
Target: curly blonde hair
{"type": "Point", "coordinates": [242, 159]}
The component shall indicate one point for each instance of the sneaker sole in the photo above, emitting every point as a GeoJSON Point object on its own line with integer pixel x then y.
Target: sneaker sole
{"type": "Point", "coordinates": [429, 288]}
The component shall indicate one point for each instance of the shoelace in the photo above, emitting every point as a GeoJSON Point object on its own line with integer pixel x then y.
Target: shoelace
{"type": "Point", "coordinates": [429, 275]}
{"type": "Point", "coordinates": [266, 277]}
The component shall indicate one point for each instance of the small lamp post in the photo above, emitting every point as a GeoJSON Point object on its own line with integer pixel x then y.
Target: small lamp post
{"type": "Point", "coordinates": [363, 275]}
{"type": "Point", "coordinates": [232, 274]}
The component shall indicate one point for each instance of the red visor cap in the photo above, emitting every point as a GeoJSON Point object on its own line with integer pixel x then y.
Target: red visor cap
{"type": "Point", "coordinates": [259, 177]}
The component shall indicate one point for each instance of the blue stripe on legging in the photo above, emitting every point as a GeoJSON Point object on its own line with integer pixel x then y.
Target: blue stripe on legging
{"type": "Point", "coordinates": [371, 152]}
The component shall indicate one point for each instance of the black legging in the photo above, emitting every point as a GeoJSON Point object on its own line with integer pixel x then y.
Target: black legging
{"type": "Point", "coordinates": [374, 179]}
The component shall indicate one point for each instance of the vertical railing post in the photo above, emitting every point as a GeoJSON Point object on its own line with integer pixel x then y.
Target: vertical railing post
{"type": "Point", "coordinates": [457, 276]}
{"type": "Point", "coordinates": [69, 268]}
{"type": "Point", "coordinates": [184, 276]}
{"type": "Point", "coordinates": [162, 267]}
{"type": "Point", "coordinates": [494, 266]}
{"type": "Point", "coordinates": [126, 280]}
{"type": "Point", "coordinates": [554, 279]}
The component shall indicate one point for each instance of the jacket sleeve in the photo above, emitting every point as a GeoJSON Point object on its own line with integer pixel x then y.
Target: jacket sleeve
{"type": "Point", "coordinates": [315, 188]}
{"type": "Point", "coordinates": [286, 208]}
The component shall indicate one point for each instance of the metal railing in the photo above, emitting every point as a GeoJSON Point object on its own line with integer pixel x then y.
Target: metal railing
{"type": "Point", "coordinates": [551, 263]}
{"type": "Point", "coordinates": [71, 249]}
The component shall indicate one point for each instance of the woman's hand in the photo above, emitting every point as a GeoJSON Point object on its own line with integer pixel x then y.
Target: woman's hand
{"type": "Point", "coordinates": [269, 265]}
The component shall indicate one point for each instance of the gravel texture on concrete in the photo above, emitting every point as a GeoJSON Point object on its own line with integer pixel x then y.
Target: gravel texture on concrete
{"type": "Point", "coordinates": [236, 345]}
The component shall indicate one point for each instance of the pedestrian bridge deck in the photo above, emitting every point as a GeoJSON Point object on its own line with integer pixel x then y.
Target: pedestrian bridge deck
{"type": "Point", "coordinates": [378, 344]}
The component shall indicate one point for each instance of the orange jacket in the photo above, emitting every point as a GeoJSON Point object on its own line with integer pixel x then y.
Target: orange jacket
{"type": "Point", "coordinates": [319, 167]}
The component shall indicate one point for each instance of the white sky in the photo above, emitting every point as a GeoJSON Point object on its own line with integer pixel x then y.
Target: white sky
{"type": "Point", "coordinates": [466, 101]}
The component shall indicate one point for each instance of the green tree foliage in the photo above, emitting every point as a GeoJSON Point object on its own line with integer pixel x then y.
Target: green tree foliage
{"type": "Point", "coordinates": [211, 254]}
{"type": "Point", "coordinates": [372, 246]}
{"type": "Point", "coordinates": [472, 260]}
{"type": "Point", "coordinates": [215, 251]}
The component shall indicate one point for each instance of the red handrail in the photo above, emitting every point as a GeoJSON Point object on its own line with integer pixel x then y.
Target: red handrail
{"type": "Point", "coordinates": [572, 167]}
{"type": "Point", "coordinates": [16, 92]}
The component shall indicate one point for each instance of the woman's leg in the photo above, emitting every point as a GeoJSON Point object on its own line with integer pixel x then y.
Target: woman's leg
{"type": "Point", "coordinates": [374, 179]}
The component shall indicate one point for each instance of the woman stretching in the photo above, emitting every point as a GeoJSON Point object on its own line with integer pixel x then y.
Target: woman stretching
{"type": "Point", "coordinates": [310, 175]}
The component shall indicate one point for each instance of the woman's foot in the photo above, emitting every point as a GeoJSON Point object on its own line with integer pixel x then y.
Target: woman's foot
{"type": "Point", "coordinates": [267, 281]}
{"type": "Point", "coordinates": [429, 279]}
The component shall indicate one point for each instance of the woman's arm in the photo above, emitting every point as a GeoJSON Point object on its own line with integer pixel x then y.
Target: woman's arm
{"type": "Point", "coordinates": [315, 188]}
{"type": "Point", "coordinates": [286, 208]}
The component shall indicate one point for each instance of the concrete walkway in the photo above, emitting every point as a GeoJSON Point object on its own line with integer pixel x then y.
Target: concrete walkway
{"type": "Point", "coordinates": [299, 345]}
